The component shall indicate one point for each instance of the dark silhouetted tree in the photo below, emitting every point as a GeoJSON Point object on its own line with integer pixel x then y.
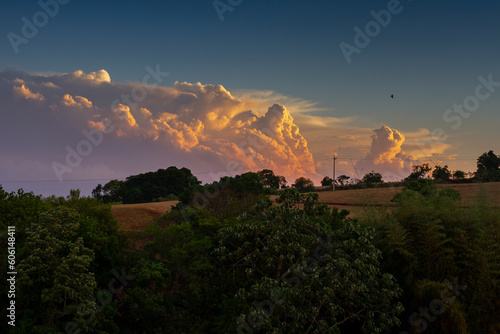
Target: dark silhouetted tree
{"type": "Point", "coordinates": [458, 175]}
{"type": "Point", "coordinates": [327, 181]}
{"type": "Point", "coordinates": [488, 167]}
{"type": "Point", "coordinates": [442, 174]}
{"type": "Point", "coordinates": [269, 179]}
{"type": "Point", "coordinates": [343, 179]}
{"type": "Point", "coordinates": [372, 177]}
{"type": "Point", "coordinates": [303, 184]}
{"type": "Point", "coordinates": [419, 172]}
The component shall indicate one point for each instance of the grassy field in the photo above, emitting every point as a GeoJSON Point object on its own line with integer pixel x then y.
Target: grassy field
{"type": "Point", "coordinates": [356, 200]}
{"type": "Point", "coordinates": [134, 217]}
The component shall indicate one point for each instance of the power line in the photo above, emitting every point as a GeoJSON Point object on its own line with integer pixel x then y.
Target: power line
{"type": "Point", "coordinates": [344, 158]}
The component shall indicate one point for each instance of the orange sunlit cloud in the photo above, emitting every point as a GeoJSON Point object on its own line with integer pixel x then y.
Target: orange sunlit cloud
{"type": "Point", "coordinates": [26, 93]}
{"type": "Point", "coordinates": [77, 101]}
{"type": "Point", "coordinates": [201, 126]}
{"type": "Point", "coordinates": [207, 128]}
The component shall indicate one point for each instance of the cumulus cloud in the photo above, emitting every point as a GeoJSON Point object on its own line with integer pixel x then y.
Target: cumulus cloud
{"type": "Point", "coordinates": [204, 127]}
{"type": "Point", "coordinates": [199, 126]}
{"type": "Point", "coordinates": [386, 155]}
{"type": "Point", "coordinates": [95, 77]}
{"type": "Point", "coordinates": [77, 101]}
{"type": "Point", "coordinates": [26, 93]}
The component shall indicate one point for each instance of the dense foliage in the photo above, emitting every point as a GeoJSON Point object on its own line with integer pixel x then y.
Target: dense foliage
{"type": "Point", "coordinates": [167, 183]}
{"type": "Point", "coordinates": [227, 259]}
{"type": "Point", "coordinates": [446, 258]}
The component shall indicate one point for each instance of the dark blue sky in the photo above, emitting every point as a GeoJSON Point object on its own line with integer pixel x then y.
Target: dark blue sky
{"type": "Point", "coordinates": [429, 56]}
{"type": "Point", "coordinates": [430, 48]}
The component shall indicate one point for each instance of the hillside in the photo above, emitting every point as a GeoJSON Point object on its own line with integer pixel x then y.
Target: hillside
{"type": "Point", "coordinates": [132, 217]}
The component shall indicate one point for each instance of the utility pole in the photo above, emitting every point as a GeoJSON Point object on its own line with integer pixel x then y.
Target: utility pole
{"type": "Point", "coordinates": [334, 158]}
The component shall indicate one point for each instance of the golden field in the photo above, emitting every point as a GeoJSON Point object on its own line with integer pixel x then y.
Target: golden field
{"type": "Point", "coordinates": [134, 217]}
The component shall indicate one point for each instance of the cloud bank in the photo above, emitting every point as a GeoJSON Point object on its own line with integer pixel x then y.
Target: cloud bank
{"type": "Point", "coordinates": [81, 126]}
{"type": "Point", "coordinates": [84, 126]}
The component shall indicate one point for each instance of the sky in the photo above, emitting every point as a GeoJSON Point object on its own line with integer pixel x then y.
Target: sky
{"type": "Point", "coordinates": [97, 90]}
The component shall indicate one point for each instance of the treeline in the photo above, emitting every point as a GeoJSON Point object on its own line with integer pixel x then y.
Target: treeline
{"type": "Point", "coordinates": [488, 170]}
{"type": "Point", "coordinates": [164, 184]}
{"type": "Point", "coordinates": [229, 260]}
{"type": "Point", "coordinates": [180, 184]}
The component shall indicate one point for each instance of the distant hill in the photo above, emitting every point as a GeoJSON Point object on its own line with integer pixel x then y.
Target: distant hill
{"type": "Point", "coordinates": [134, 217]}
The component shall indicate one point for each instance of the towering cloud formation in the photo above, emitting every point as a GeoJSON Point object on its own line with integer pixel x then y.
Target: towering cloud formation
{"type": "Point", "coordinates": [91, 127]}
{"type": "Point", "coordinates": [386, 156]}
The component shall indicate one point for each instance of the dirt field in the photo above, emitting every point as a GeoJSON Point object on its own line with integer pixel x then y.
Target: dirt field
{"type": "Point", "coordinates": [134, 217]}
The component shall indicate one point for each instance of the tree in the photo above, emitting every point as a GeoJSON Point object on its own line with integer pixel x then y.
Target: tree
{"type": "Point", "coordinates": [327, 181]}
{"type": "Point", "coordinates": [97, 192]}
{"type": "Point", "coordinates": [419, 172]}
{"type": "Point", "coordinates": [343, 179]}
{"type": "Point", "coordinates": [488, 167]}
{"type": "Point", "coordinates": [372, 177]}
{"type": "Point", "coordinates": [151, 186]}
{"type": "Point", "coordinates": [307, 270]}
{"type": "Point", "coordinates": [111, 192]}
{"type": "Point", "coordinates": [74, 194]}
{"type": "Point", "coordinates": [147, 187]}
{"type": "Point", "coordinates": [458, 175]}
{"type": "Point", "coordinates": [303, 184]}
{"type": "Point", "coordinates": [442, 174]}
{"type": "Point", "coordinates": [55, 274]}
{"type": "Point", "coordinates": [269, 179]}
{"type": "Point", "coordinates": [428, 240]}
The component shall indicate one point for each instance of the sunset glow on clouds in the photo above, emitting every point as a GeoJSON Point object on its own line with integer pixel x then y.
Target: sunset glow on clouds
{"type": "Point", "coordinates": [405, 98]}
{"type": "Point", "coordinates": [386, 155]}
{"type": "Point", "coordinates": [203, 127]}
{"type": "Point", "coordinates": [26, 93]}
